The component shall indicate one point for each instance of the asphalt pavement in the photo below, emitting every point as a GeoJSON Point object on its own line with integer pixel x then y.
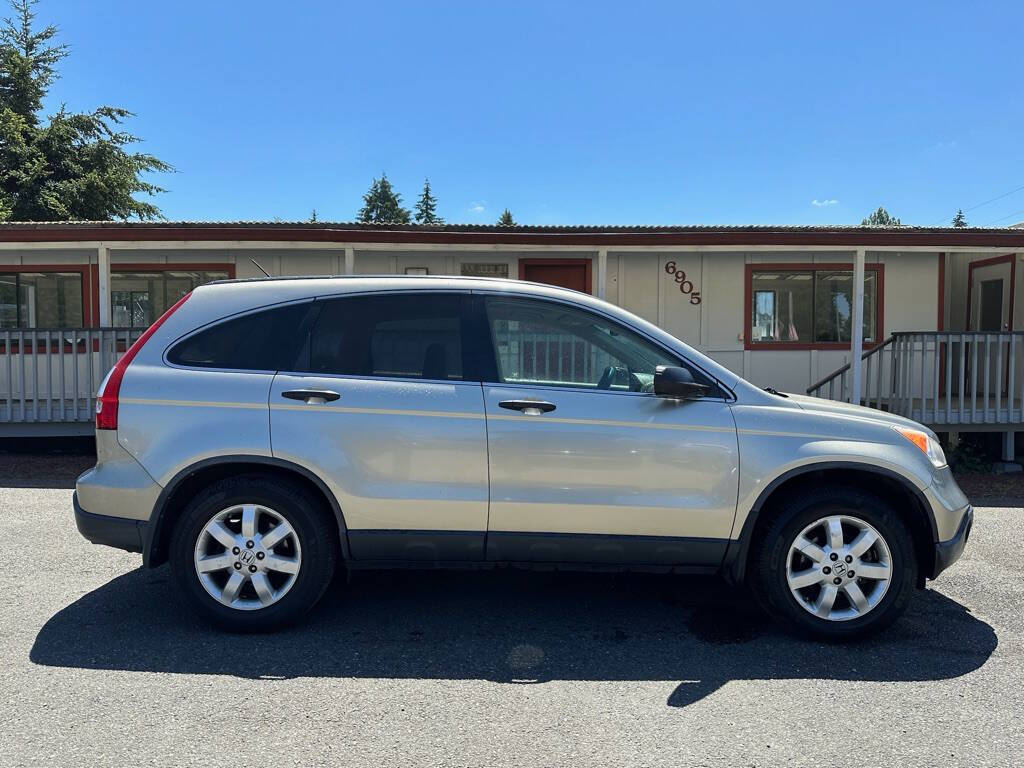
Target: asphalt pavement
{"type": "Point", "coordinates": [102, 665]}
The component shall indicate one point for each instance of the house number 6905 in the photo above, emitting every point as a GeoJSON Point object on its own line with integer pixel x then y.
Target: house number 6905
{"type": "Point", "coordinates": [685, 286]}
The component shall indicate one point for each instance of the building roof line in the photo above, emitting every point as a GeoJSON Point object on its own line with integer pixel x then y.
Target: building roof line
{"type": "Point", "coordinates": [593, 236]}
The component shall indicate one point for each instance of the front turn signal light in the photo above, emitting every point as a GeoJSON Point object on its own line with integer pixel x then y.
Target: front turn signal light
{"type": "Point", "coordinates": [929, 445]}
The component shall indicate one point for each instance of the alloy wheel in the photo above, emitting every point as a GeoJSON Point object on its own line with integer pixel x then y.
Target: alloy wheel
{"type": "Point", "coordinates": [839, 568]}
{"type": "Point", "coordinates": [248, 556]}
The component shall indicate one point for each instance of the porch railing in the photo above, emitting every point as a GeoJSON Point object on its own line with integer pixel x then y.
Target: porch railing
{"type": "Point", "coordinates": [52, 374]}
{"type": "Point", "coordinates": [941, 378]}
{"type": "Point", "coordinates": [874, 386]}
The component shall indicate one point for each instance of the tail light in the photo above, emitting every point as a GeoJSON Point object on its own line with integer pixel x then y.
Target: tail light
{"type": "Point", "coordinates": [110, 389]}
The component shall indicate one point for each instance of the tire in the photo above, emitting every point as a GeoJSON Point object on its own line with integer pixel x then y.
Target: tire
{"type": "Point", "coordinates": [794, 585]}
{"type": "Point", "coordinates": [264, 586]}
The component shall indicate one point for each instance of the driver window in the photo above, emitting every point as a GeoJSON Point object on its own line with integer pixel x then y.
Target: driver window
{"type": "Point", "coordinates": [538, 342]}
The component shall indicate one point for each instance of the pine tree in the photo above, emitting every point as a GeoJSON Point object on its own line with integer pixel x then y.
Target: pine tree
{"type": "Point", "coordinates": [382, 205]}
{"type": "Point", "coordinates": [312, 217]}
{"type": "Point", "coordinates": [506, 219]}
{"type": "Point", "coordinates": [426, 207]}
{"type": "Point", "coordinates": [959, 221]}
{"type": "Point", "coordinates": [880, 218]}
{"type": "Point", "coordinates": [75, 166]}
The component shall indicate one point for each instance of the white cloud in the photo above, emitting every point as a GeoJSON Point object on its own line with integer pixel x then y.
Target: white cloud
{"type": "Point", "coordinates": [478, 207]}
{"type": "Point", "coordinates": [824, 203]}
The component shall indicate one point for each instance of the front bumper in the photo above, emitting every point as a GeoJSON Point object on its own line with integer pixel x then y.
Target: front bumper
{"type": "Point", "coordinates": [118, 532]}
{"type": "Point", "coordinates": [948, 552]}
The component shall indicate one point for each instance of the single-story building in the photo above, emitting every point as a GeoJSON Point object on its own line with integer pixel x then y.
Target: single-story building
{"type": "Point", "coordinates": [773, 304]}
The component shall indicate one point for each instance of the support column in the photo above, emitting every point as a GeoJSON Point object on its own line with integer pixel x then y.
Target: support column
{"type": "Point", "coordinates": [857, 331]}
{"type": "Point", "coordinates": [602, 272]}
{"type": "Point", "coordinates": [104, 285]}
{"type": "Point", "coordinates": [350, 260]}
{"type": "Point", "coordinates": [1008, 449]}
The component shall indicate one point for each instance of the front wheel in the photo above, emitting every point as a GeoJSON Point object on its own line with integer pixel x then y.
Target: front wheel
{"type": "Point", "coordinates": [835, 563]}
{"type": "Point", "coordinates": [253, 554]}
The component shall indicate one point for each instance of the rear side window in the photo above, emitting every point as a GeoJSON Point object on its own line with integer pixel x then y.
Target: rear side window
{"type": "Point", "coordinates": [414, 335]}
{"type": "Point", "coordinates": [268, 340]}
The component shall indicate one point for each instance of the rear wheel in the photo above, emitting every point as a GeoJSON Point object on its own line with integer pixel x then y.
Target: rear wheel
{"type": "Point", "coordinates": [836, 563]}
{"type": "Point", "coordinates": [252, 554]}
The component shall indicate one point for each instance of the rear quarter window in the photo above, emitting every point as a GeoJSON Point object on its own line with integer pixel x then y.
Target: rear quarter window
{"type": "Point", "coordinates": [266, 340]}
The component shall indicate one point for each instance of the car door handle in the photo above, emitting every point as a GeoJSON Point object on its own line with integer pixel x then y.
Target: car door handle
{"type": "Point", "coordinates": [312, 396]}
{"type": "Point", "coordinates": [529, 407]}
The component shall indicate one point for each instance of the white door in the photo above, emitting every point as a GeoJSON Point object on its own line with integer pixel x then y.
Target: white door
{"type": "Point", "coordinates": [991, 308]}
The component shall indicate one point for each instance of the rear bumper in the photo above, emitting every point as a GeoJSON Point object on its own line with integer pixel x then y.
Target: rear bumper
{"type": "Point", "coordinates": [118, 532]}
{"type": "Point", "coordinates": [948, 552]}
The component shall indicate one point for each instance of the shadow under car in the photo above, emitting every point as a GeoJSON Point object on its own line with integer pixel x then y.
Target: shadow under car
{"type": "Point", "coordinates": [516, 627]}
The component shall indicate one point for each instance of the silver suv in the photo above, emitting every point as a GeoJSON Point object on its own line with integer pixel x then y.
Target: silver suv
{"type": "Point", "coordinates": [263, 431]}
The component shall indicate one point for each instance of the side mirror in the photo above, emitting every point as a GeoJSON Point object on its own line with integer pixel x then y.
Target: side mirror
{"type": "Point", "coordinates": [678, 383]}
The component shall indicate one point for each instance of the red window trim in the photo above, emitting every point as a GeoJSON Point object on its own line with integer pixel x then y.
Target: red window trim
{"type": "Point", "coordinates": [878, 269]}
{"type": "Point", "coordinates": [117, 266]}
{"type": "Point", "coordinates": [90, 285]}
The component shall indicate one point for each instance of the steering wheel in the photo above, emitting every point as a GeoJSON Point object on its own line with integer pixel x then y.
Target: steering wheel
{"type": "Point", "coordinates": [608, 377]}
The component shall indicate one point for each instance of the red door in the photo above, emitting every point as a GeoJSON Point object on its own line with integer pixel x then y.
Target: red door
{"type": "Point", "coordinates": [565, 273]}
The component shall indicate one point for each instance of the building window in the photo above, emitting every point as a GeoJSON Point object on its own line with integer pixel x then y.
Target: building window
{"type": "Point", "coordinates": [484, 270]}
{"type": "Point", "coordinates": [809, 305]}
{"type": "Point", "coordinates": [41, 300]}
{"type": "Point", "coordinates": [139, 298]}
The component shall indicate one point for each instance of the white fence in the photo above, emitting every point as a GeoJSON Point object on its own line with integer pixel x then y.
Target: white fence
{"type": "Point", "coordinates": [52, 375]}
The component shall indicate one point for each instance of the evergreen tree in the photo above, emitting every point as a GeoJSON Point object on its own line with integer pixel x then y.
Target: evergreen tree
{"type": "Point", "coordinates": [959, 221]}
{"type": "Point", "coordinates": [75, 166]}
{"type": "Point", "coordinates": [426, 207]}
{"type": "Point", "coordinates": [312, 217]}
{"type": "Point", "coordinates": [382, 205]}
{"type": "Point", "coordinates": [880, 218]}
{"type": "Point", "coordinates": [506, 219]}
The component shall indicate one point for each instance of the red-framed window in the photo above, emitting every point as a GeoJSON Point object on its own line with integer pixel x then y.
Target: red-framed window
{"type": "Point", "coordinates": [809, 306]}
{"type": "Point", "coordinates": [46, 296]}
{"type": "Point", "coordinates": [140, 293]}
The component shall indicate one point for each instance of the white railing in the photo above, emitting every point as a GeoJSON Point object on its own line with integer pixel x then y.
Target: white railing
{"type": "Point", "coordinates": [52, 374]}
{"type": "Point", "coordinates": [550, 358]}
{"type": "Point", "coordinates": [941, 378]}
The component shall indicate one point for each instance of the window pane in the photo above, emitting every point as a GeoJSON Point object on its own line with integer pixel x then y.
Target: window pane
{"type": "Point", "coordinates": [833, 303]}
{"type": "Point", "coordinates": [782, 306]}
{"type": "Point", "coordinates": [547, 343]}
{"type": "Point", "coordinates": [139, 298]}
{"type": "Point", "coordinates": [260, 341]}
{"type": "Point", "coordinates": [41, 300]}
{"type": "Point", "coordinates": [8, 301]}
{"type": "Point", "coordinates": [405, 335]}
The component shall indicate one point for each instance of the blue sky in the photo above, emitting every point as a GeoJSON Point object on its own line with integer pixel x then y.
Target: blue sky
{"type": "Point", "coordinates": [566, 113]}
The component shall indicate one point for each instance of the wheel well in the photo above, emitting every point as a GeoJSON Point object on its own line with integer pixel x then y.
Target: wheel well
{"type": "Point", "coordinates": [184, 489]}
{"type": "Point", "coordinates": [889, 488]}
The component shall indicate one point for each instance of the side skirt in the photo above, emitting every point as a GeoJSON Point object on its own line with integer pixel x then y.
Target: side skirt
{"type": "Point", "coordinates": [546, 550]}
{"type": "Point", "coordinates": [493, 565]}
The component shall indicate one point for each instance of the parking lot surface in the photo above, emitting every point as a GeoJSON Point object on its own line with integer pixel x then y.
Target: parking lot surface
{"type": "Point", "coordinates": [103, 666]}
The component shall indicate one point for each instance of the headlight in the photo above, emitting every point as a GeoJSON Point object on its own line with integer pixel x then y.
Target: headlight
{"type": "Point", "coordinates": [928, 444]}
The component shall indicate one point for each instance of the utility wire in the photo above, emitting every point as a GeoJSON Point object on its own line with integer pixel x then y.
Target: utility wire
{"type": "Point", "coordinates": [1004, 218]}
{"type": "Point", "coordinates": [979, 205]}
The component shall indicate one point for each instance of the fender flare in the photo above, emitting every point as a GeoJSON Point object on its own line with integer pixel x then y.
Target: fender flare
{"type": "Point", "coordinates": [734, 564]}
{"type": "Point", "coordinates": [156, 518]}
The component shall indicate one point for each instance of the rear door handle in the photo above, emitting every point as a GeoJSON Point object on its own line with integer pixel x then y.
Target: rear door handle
{"type": "Point", "coordinates": [529, 407]}
{"type": "Point", "coordinates": [312, 396]}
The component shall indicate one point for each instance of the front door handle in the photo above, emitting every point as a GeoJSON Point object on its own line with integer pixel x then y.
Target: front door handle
{"type": "Point", "coordinates": [529, 407]}
{"type": "Point", "coordinates": [312, 396]}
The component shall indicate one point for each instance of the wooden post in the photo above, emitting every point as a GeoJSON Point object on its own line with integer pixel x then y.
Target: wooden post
{"type": "Point", "coordinates": [857, 331]}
